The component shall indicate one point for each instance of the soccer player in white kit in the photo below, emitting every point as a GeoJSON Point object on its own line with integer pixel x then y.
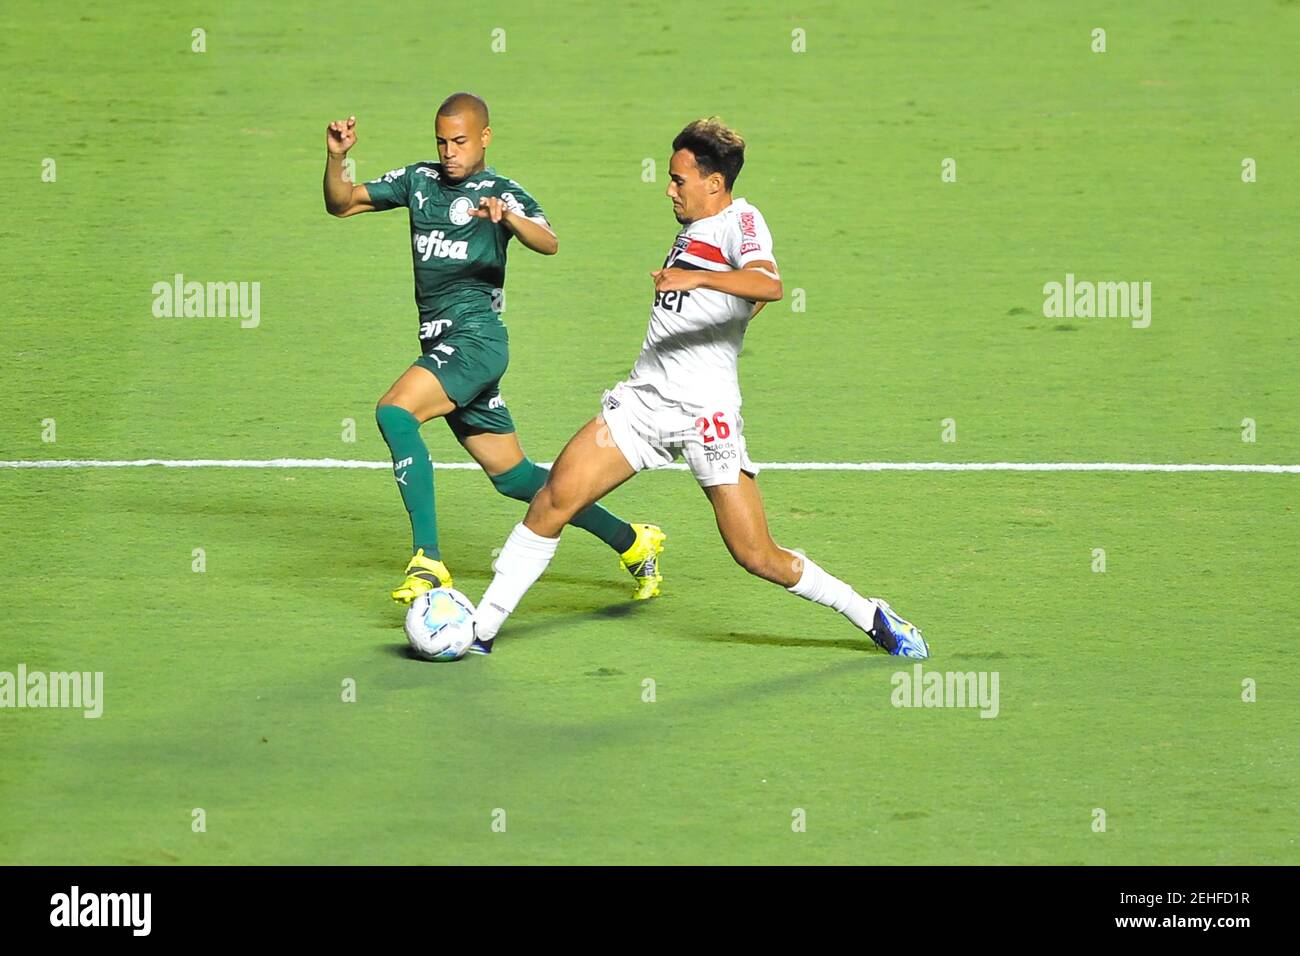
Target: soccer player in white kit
{"type": "Point", "coordinates": [683, 398]}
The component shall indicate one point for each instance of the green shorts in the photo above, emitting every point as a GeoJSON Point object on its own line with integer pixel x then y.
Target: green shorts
{"type": "Point", "coordinates": [470, 365]}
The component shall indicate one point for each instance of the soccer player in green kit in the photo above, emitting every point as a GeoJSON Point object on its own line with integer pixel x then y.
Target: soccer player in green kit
{"type": "Point", "coordinates": [463, 214]}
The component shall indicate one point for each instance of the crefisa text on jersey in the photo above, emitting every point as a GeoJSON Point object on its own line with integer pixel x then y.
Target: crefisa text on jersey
{"type": "Point", "coordinates": [434, 244]}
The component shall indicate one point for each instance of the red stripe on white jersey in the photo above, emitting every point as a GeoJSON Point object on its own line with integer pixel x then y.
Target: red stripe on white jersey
{"type": "Point", "coordinates": [702, 250]}
{"type": "Point", "coordinates": [695, 262]}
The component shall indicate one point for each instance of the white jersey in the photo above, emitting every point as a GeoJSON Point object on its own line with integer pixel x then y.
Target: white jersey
{"type": "Point", "coordinates": [694, 339]}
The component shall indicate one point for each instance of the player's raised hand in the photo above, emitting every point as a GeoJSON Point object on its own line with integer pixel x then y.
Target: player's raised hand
{"type": "Point", "coordinates": [341, 136]}
{"type": "Point", "coordinates": [673, 280]}
{"type": "Point", "coordinates": [490, 207]}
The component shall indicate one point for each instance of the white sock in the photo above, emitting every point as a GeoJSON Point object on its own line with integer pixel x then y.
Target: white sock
{"type": "Point", "coordinates": [520, 563]}
{"type": "Point", "coordinates": [817, 585]}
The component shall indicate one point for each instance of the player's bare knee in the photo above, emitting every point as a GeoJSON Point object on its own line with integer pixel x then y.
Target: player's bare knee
{"type": "Point", "coordinates": [564, 502]}
{"type": "Point", "coordinates": [393, 399]}
{"type": "Point", "coordinates": [544, 508]}
{"type": "Point", "coordinates": [541, 503]}
{"type": "Point", "coordinates": [543, 516]}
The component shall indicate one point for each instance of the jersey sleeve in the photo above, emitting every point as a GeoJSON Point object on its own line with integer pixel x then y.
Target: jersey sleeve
{"type": "Point", "coordinates": [391, 189]}
{"type": "Point", "coordinates": [520, 201]}
{"type": "Point", "coordinates": [748, 240]}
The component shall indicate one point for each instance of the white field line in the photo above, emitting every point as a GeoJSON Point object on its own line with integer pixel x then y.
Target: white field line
{"type": "Point", "coordinates": [343, 463]}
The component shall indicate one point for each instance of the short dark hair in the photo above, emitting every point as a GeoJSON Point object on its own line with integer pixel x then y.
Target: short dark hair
{"type": "Point", "coordinates": [464, 103]}
{"type": "Point", "coordinates": [717, 148]}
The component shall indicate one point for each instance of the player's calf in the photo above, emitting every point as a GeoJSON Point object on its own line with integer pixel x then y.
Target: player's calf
{"type": "Point", "coordinates": [766, 560]}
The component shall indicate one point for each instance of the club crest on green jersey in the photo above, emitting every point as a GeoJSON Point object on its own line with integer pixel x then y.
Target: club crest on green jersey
{"type": "Point", "coordinates": [458, 213]}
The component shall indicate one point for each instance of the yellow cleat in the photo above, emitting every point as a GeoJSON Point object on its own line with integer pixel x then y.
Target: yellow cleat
{"type": "Point", "coordinates": [642, 560]}
{"type": "Point", "coordinates": [422, 574]}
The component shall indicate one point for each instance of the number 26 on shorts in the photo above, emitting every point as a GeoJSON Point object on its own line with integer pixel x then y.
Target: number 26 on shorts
{"type": "Point", "coordinates": [721, 429]}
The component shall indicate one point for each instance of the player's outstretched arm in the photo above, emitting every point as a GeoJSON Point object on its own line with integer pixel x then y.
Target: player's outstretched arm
{"type": "Point", "coordinates": [536, 234]}
{"type": "Point", "coordinates": [758, 281]}
{"type": "Point", "coordinates": [342, 198]}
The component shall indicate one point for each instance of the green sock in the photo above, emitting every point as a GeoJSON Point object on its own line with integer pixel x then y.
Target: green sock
{"type": "Point", "coordinates": [525, 479]}
{"type": "Point", "coordinates": [413, 470]}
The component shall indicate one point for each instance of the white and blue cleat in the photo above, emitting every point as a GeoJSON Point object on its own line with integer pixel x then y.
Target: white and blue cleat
{"type": "Point", "coordinates": [478, 646]}
{"type": "Point", "coordinates": [899, 637]}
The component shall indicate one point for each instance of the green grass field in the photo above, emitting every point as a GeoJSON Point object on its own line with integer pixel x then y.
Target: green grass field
{"type": "Point", "coordinates": [1119, 691]}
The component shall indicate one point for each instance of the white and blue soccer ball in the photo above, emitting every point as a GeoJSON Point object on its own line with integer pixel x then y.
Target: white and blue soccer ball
{"type": "Point", "coordinates": [440, 624]}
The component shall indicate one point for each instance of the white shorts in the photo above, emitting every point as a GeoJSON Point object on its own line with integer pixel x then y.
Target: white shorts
{"type": "Point", "coordinates": [652, 431]}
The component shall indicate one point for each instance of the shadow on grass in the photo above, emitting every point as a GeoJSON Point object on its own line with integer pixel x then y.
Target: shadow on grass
{"type": "Point", "coordinates": [515, 631]}
{"type": "Point", "coordinates": [533, 629]}
{"type": "Point", "coordinates": [859, 644]}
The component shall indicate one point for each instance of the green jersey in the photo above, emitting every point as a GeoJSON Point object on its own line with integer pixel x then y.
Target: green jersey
{"type": "Point", "coordinates": [459, 259]}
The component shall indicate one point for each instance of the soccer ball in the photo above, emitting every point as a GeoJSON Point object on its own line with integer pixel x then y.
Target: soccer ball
{"type": "Point", "coordinates": [440, 624]}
